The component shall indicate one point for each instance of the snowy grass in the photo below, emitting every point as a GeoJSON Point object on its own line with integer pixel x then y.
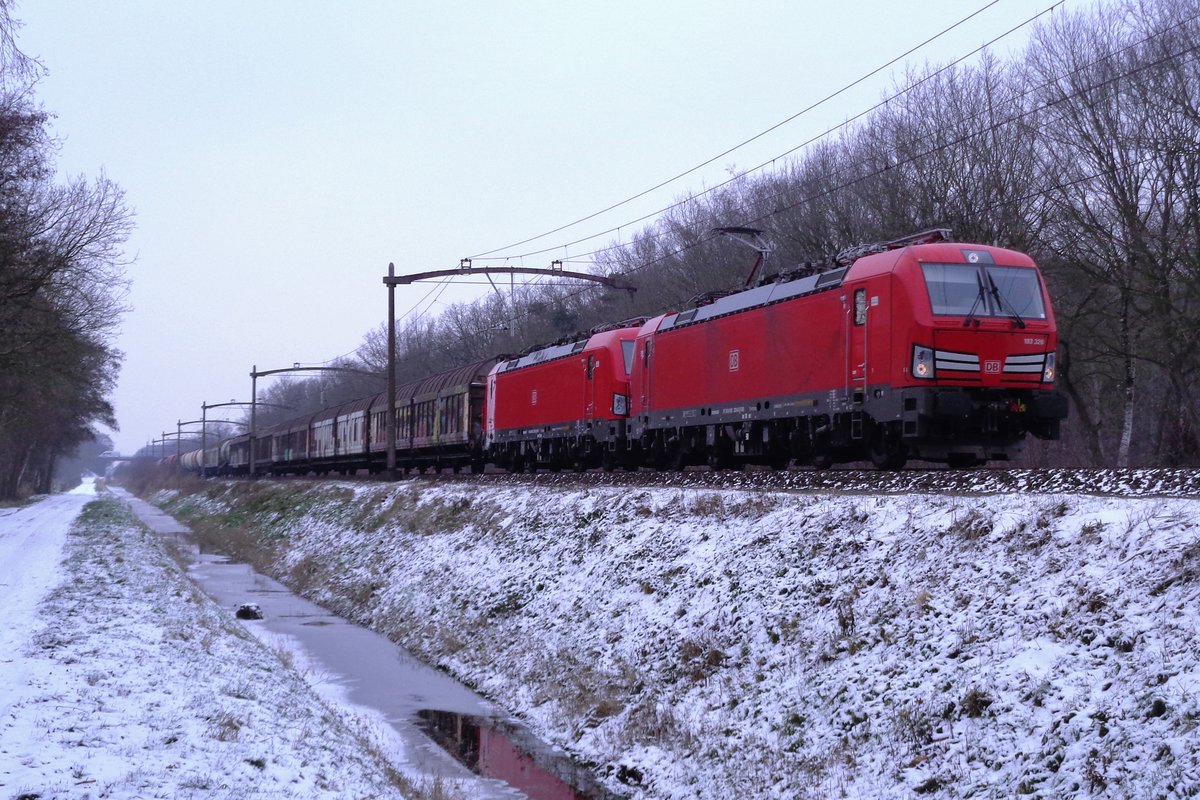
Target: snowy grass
{"type": "Point", "coordinates": [135, 684]}
{"type": "Point", "coordinates": [708, 643]}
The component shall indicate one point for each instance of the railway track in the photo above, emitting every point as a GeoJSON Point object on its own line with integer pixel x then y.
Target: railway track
{"type": "Point", "coordinates": [1105, 482]}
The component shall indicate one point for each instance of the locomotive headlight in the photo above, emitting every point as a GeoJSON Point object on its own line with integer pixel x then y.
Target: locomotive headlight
{"type": "Point", "coordinates": [922, 363]}
{"type": "Point", "coordinates": [620, 406]}
{"type": "Point", "coordinates": [1049, 371]}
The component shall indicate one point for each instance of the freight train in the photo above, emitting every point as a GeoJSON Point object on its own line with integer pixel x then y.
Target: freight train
{"type": "Point", "coordinates": [915, 350]}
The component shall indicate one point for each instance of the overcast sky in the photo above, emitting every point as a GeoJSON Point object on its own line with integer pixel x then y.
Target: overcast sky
{"type": "Point", "coordinates": [279, 154]}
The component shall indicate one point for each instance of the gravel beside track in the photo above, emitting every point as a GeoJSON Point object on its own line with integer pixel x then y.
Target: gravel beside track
{"type": "Point", "coordinates": [1098, 482]}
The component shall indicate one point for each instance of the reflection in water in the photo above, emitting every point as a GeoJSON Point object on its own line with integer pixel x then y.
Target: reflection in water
{"type": "Point", "coordinates": [371, 668]}
{"type": "Point", "coordinates": [495, 749]}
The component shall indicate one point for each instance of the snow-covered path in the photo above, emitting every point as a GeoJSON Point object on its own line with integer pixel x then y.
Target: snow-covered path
{"type": "Point", "coordinates": [31, 545]}
{"type": "Point", "coordinates": [119, 679]}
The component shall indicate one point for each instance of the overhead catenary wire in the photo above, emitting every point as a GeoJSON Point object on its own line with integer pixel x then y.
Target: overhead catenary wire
{"type": "Point", "coordinates": [768, 162]}
{"type": "Point", "coordinates": [440, 287]}
{"type": "Point", "coordinates": [955, 142]}
{"type": "Point", "coordinates": [1014, 118]}
{"type": "Point", "coordinates": [880, 105]}
{"type": "Point", "coordinates": [707, 162]}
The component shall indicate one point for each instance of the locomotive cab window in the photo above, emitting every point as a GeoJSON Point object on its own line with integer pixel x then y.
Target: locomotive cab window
{"type": "Point", "coordinates": [984, 290]}
{"type": "Point", "coordinates": [1017, 289]}
{"type": "Point", "coordinates": [860, 306]}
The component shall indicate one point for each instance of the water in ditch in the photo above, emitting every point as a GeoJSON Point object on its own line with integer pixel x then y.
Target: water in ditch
{"type": "Point", "coordinates": [442, 729]}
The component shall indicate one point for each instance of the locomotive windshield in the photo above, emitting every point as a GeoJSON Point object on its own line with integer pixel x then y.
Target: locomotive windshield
{"type": "Point", "coordinates": [984, 290]}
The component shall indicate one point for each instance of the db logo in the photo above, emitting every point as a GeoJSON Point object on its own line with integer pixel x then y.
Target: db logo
{"type": "Point", "coordinates": [991, 367]}
{"type": "Point", "coordinates": [735, 360]}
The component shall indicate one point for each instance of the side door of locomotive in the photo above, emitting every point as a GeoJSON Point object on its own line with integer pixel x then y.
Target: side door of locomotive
{"type": "Point", "coordinates": [641, 355]}
{"type": "Point", "coordinates": [589, 386]}
{"type": "Point", "coordinates": [868, 322]}
{"type": "Point", "coordinates": [858, 315]}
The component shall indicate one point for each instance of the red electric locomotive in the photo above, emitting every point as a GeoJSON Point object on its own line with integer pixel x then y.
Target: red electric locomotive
{"type": "Point", "coordinates": [562, 406]}
{"type": "Point", "coordinates": [937, 351]}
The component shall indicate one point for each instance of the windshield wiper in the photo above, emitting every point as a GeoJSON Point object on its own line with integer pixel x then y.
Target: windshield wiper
{"type": "Point", "coordinates": [1001, 301]}
{"type": "Point", "coordinates": [978, 299]}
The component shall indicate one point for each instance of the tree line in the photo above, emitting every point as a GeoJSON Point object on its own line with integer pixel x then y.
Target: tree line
{"type": "Point", "coordinates": [1081, 150]}
{"type": "Point", "coordinates": [62, 284]}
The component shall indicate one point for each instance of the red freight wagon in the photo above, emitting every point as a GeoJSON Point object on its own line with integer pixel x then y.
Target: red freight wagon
{"type": "Point", "coordinates": [562, 405]}
{"type": "Point", "coordinates": [942, 352]}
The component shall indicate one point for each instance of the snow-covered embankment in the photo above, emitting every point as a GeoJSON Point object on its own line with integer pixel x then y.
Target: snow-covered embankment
{"type": "Point", "coordinates": [703, 643]}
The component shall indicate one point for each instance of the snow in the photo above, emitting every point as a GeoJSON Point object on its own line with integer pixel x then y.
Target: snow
{"type": "Point", "coordinates": [689, 642]}
{"type": "Point", "coordinates": [118, 679]}
{"type": "Point", "coordinates": [706, 642]}
{"type": "Point", "coordinates": [29, 551]}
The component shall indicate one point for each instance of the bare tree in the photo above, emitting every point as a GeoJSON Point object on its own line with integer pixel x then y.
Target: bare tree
{"type": "Point", "coordinates": [61, 288]}
{"type": "Point", "coordinates": [1121, 148]}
